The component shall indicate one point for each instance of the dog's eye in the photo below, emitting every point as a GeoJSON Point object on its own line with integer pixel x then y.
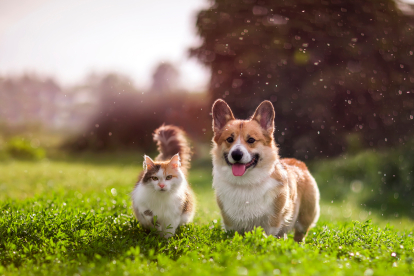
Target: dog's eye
{"type": "Point", "coordinates": [251, 140]}
{"type": "Point", "coordinates": [154, 178]}
{"type": "Point", "coordinates": [168, 177]}
{"type": "Point", "coordinates": [230, 140]}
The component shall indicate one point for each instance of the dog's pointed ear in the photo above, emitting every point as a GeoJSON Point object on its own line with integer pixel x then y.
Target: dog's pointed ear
{"type": "Point", "coordinates": [221, 115]}
{"type": "Point", "coordinates": [265, 116]}
{"type": "Point", "coordinates": [148, 163]}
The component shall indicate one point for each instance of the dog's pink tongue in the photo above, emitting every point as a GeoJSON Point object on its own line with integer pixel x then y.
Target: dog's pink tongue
{"type": "Point", "coordinates": [238, 169]}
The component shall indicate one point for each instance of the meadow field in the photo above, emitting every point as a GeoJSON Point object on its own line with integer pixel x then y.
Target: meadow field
{"type": "Point", "coordinates": [84, 85]}
{"type": "Point", "coordinates": [72, 215]}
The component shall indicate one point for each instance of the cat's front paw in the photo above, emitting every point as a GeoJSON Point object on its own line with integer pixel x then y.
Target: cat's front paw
{"type": "Point", "coordinates": [168, 235]}
{"type": "Point", "coordinates": [169, 232]}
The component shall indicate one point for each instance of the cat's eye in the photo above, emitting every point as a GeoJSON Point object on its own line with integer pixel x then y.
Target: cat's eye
{"type": "Point", "coordinates": [168, 177]}
{"type": "Point", "coordinates": [154, 178]}
{"type": "Point", "coordinates": [251, 140]}
{"type": "Point", "coordinates": [230, 140]}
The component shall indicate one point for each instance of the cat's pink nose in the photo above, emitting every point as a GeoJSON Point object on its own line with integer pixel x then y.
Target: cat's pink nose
{"type": "Point", "coordinates": [161, 185]}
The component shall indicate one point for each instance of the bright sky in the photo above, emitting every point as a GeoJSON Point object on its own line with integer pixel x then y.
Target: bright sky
{"type": "Point", "coordinates": [70, 38]}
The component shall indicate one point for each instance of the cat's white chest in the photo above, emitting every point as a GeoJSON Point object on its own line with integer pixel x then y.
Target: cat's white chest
{"type": "Point", "coordinates": [166, 207]}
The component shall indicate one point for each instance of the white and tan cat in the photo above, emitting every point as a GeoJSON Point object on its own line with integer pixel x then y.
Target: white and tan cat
{"type": "Point", "coordinates": [162, 190]}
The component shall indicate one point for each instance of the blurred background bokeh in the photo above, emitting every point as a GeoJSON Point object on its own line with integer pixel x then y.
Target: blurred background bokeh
{"type": "Point", "coordinates": [99, 76]}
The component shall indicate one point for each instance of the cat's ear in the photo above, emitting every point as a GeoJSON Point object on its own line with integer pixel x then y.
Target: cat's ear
{"type": "Point", "coordinates": [148, 163]}
{"type": "Point", "coordinates": [175, 161]}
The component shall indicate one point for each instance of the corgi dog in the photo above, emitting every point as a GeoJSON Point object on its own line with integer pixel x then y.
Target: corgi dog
{"type": "Point", "coordinates": [253, 185]}
{"type": "Point", "coordinates": [162, 190]}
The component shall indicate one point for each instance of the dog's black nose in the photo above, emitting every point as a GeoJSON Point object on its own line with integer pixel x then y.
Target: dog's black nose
{"type": "Point", "coordinates": [237, 155]}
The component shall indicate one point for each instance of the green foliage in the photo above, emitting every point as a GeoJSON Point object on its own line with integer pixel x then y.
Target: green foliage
{"type": "Point", "coordinates": [354, 144]}
{"type": "Point", "coordinates": [21, 148]}
{"type": "Point", "coordinates": [72, 216]}
{"type": "Point", "coordinates": [3, 154]}
{"type": "Point", "coordinates": [382, 180]}
{"type": "Point", "coordinates": [329, 67]}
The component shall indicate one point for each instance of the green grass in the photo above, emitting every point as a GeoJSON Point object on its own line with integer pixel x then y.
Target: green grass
{"type": "Point", "coordinates": [380, 183]}
{"type": "Point", "coordinates": [72, 216]}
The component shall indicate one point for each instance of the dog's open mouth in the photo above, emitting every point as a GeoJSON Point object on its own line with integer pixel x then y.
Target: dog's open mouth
{"type": "Point", "coordinates": [239, 169]}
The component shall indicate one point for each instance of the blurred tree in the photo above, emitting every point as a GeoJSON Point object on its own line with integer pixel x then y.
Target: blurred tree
{"type": "Point", "coordinates": [165, 78]}
{"type": "Point", "coordinates": [126, 117]}
{"type": "Point", "coordinates": [29, 99]}
{"type": "Point", "coordinates": [330, 68]}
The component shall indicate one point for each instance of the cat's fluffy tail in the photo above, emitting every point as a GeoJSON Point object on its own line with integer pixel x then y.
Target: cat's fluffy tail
{"type": "Point", "coordinates": [170, 141]}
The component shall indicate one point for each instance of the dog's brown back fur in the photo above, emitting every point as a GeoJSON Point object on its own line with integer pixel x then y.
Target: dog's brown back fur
{"type": "Point", "coordinates": [306, 190]}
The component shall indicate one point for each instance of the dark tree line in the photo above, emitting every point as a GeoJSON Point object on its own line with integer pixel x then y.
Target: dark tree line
{"type": "Point", "coordinates": [340, 72]}
{"type": "Point", "coordinates": [127, 117]}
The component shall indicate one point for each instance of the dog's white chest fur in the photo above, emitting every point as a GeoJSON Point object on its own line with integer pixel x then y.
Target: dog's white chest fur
{"type": "Point", "coordinates": [246, 205]}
